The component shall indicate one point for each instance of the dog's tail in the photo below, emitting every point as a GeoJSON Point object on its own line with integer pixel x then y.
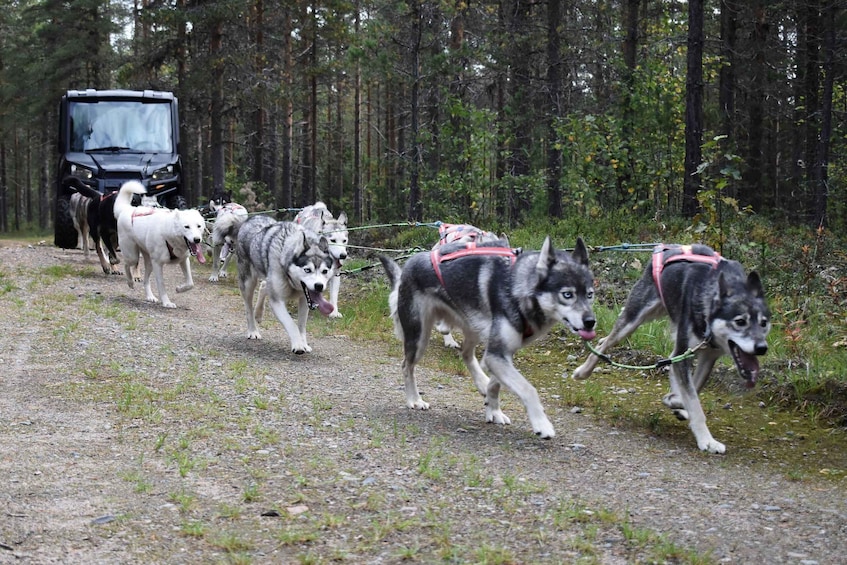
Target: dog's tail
{"type": "Point", "coordinates": [124, 198]}
{"type": "Point", "coordinates": [392, 271]}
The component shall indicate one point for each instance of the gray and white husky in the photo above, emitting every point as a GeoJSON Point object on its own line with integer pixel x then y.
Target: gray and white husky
{"type": "Point", "coordinates": [321, 221]}
{"type": "Point", "coordinates": [294, 263]}
{"type": "Point", "coordinates": [228, 218]}
{"type": "Point", "coordinates": [713, 306]}
{"type": "Point", "coordinates": [497, 296]}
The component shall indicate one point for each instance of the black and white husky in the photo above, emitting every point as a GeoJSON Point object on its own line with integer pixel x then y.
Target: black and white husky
{"type": "Point", "coordinates": [320, 220]}
{"type": "Point", "coordinates": [497, 296]}
{"type": "Point", "coordinates": [713, 306]}
{"type": "Point", "coordinates": [293, 262]}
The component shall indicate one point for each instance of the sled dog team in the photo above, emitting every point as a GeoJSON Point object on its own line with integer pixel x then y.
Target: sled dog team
{"type": "Point", "coordinates": [471, 280]}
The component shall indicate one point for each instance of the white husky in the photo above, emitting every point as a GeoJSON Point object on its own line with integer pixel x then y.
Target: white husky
{"type": "Point", "coordinates": [160, 235]}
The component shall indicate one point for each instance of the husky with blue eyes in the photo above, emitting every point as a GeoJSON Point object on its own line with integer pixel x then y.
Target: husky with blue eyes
{"type": "Point", "coordinates": [498, 296]}
{"type": "Point", "coordinates": [714, 308]}
{"type": "Point", "coordinates": [321, 221]}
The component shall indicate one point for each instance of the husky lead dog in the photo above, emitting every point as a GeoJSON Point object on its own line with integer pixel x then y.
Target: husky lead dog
{"type": "Point", "coordinates": [713, 307]}
{"type": "Point", "coordinates": [496, 296]}
{"type": "Point", "coordinates": [228, 218]}
{"type": "Point", "coordinates": [161, 236]}
{"type": "Point", "coordinates": [460, 233]}
{"type": "Point", "coordinates": [320, 220]}
{"type": "Point", "coordinates": [294, 262]}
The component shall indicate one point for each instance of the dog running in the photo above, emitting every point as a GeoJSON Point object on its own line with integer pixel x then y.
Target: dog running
{"type": "Point", "coordinates": [713, 306]}
{"type": "Point", "coordinates": [228, 218]}
{"type": "Point", "coordinates": [161, 236]}
{"type": "Point", "coordinates": [320, 220]}
{"type": "Point", "coordinates": [294, 263]}
{"type": "Point", "coordinates": [498, 296]}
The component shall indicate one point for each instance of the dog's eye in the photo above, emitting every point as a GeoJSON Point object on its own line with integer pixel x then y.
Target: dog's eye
{"type": "Point", "coordinates": [741, 322]}
{"type": "Point", "coordinates": [307, 269]}
{"type": "Point", "coordinates": [567, 295]}
{"type": "Point", "coordinates": [589, 295]}
{"type": "Point", "coordinates": [764, 322]}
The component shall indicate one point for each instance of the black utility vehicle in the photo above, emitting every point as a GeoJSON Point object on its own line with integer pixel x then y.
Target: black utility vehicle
{"type": "Point", "coordinates": [108, 137]}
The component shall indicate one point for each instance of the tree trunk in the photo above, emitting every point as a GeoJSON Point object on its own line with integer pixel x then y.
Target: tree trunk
{"type": "Point", "coordinates": [554, 88]}
{"type": "Point", "coordinates": [693, 108]}
{"type": "Point", "coordinates": [821, 163]}
{"type": "Point", "coordinates": [753, 173]}
{"type": "Point", "coordinates": [216, 127]}
{"type": "Point", "coordinates": [726, 87]}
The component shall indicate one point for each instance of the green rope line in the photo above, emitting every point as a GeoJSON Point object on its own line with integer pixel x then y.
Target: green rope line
{"type": "Point", "coordinates": [687, 354]}
{"type": "Point", "coordinates": [633, 247]}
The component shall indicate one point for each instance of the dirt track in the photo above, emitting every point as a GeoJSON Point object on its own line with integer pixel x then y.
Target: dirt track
{"type": "Point", "coordinates": [135, 434]}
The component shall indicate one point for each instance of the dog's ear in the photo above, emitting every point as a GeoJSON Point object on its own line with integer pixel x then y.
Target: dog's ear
{"type": "Point", "coordinates": [546, 257]}
{"type": "Point", "coordinates": [580, 252]}
{"type": "Point", "coordinates": [505, 239]}
{"type": "Point", "coordinates": [342, 218]}
{"type": "Point", "coordinates": [323, 244]}
{"type": "Point", "coordinates": [724, 288]}
{"type": "Point", "coordinates": [212, 206]}
{"type": "Point", "coordinates": [754, 285]}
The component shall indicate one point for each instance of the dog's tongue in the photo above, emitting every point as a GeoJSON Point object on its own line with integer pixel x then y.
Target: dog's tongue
{"type": "Point", "coordinates": [194, 249]}
{"type": "Point", "coordinates": [587, 335]}
{"type": "Point", "coordinates": [325, 307]}
{"type": "Point", "coordinates": [750, 364]}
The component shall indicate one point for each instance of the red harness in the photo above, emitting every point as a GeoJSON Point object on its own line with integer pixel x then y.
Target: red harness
{"type": "Point", "coordinates": [686, 254]}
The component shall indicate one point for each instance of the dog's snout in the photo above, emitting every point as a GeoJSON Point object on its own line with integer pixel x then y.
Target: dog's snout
{"type": "Point", "coordinates": [197, 240]}
{"type": "Point", "coordinates": [589, 323]}
{"type": "Point", "coordinates": [319, 287]}
{"type": "Point", "coordinates": [342, 256]}
{"type": "Point", "coordinates": [761, 348]}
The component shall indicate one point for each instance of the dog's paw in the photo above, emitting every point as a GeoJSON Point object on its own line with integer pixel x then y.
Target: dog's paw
{"type": "Point", "coordinates": [450, 342]}
{"type": "Point", "coordinates": [184, 287]}
{"type": "Point", "coordinates": [301, 349]}
{"type": "Point", "coordinates": [580, 373]}
{"type": "Point", "coordinates": [168, 305]}
{"type": "Point", "coordinates": [335, 314]}
{"type": "Point", "coordinates": [213, 277]}
{"type": "Point", "coordinates": [681, 415]}
{"type": "Point", "coordinates": [254, 335]}
{"type": "Point", "coordinates": [496, 416]}
{"type": "Point", "coordinates": [711, 445]}
{"type": "Point", "coordinates": [418, 404]}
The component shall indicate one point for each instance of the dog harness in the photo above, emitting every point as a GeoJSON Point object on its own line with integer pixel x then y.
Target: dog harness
{"type": "Point", "coordinates": [451, 233]}
{"type": "Point", "coordinates": [685, 254]}
{"type": "Point", "coordinates": [471, 249]}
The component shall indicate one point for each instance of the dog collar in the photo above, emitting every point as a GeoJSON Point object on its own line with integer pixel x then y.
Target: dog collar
{"type": "Point", "coordinates": [685, 254]}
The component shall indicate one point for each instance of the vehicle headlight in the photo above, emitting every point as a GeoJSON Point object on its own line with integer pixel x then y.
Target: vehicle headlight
{"type": "Point", "coordinates": [163, 173]}
{"type": "Point", "coordinates": [81, 172]}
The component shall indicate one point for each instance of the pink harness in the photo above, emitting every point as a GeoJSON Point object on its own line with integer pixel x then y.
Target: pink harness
{"type": "Point", "coordinates": [141, 211]}
{"type": "Point", "coordinates": [686, 254]}
{"type": "Point", "coordinates": [470, 249]}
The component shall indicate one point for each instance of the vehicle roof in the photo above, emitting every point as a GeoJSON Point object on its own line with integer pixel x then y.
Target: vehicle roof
{"type": "Point", "coordinates": [144, 94]}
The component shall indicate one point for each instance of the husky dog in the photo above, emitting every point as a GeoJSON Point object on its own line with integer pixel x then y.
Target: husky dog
{"type": "Point", "coordinates": [713, 306]}
{"type": "Point", "coordinates": [228, 218]}
{"type": "Point", "coordinates": [460, 233]}
{"type": "Point", "coordinates": [319, 219]}
{"type": "Point", "coordinates": [497, 296]}
{"type": "Point", "coordinates": [159, 235]}
{"type": "Point", "coordinates": [293, 262]}
{"type": "Point", "coordinates": [79, 214]}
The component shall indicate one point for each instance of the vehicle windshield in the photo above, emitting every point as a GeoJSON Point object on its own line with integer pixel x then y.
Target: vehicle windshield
{"type": "Point", "coordinates": [121, 125]}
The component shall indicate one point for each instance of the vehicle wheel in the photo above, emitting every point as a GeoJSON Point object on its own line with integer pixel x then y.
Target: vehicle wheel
{"type": "Point", "coordinates": [176, 201]}
{"type": "Point", "coordinates": [65, 235]}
